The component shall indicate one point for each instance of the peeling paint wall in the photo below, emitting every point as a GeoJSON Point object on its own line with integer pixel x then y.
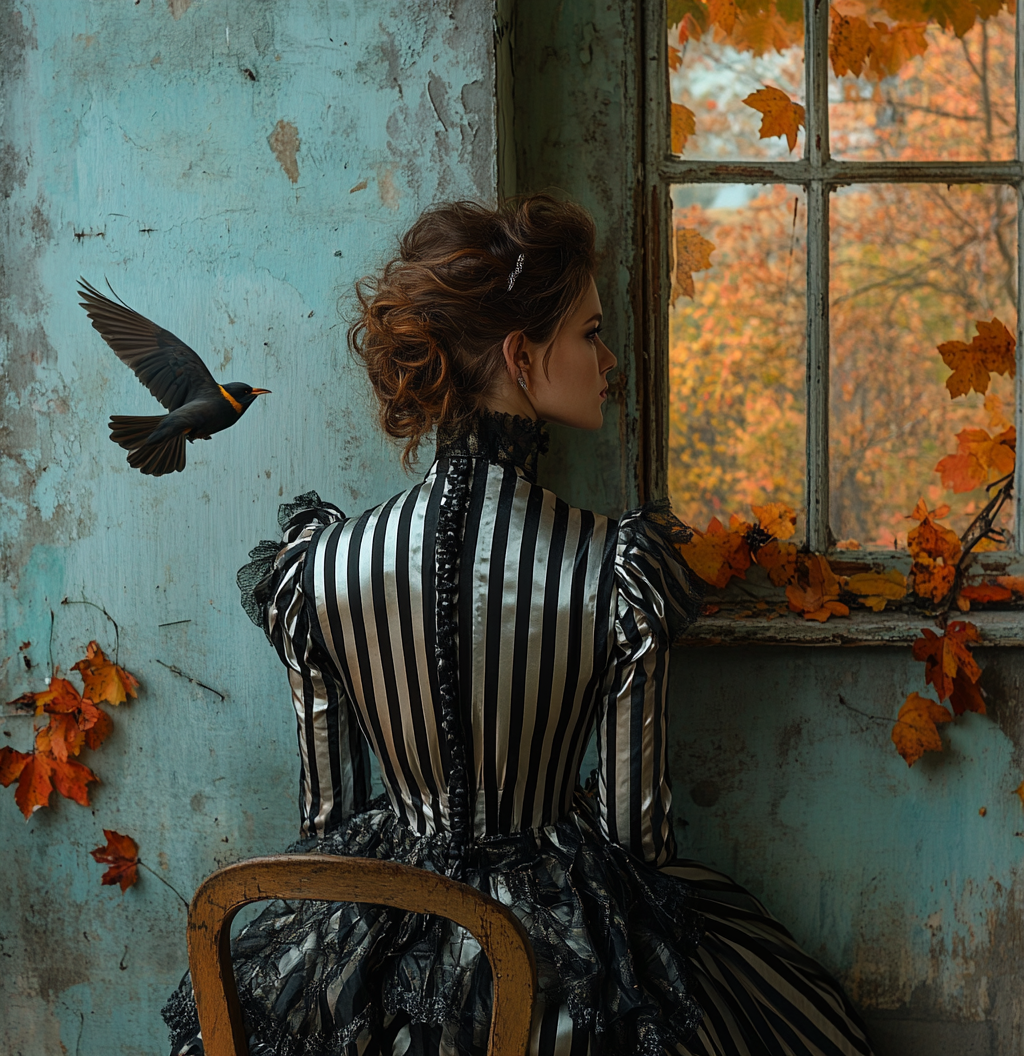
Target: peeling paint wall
{"type": "Point", "coordinates": [231, 167]}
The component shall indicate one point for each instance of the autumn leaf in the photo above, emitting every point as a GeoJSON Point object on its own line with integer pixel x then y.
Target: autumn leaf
{"type": "Point", "coordinates": [815, 594]}
{"type": "Point", "coordinates": [684, 125]}
{"type": "Point", "coordinates": [849, 43]}
{"type": "Point", "coordinates": [935, 550]}
{"type": "Point", "coordinates": [70, 779]}
{"type": "Point", "coordinates": [32, 772]}
{"type": "Point", "coordinates": [892, 47]}
{"type": "Point", "coordinates": [986, 592]}
{"type": "Point", "coordinates": [121, 853]}
{"type": "Point", "coordinates": [693, 253]}
{"type": "Point", "coordinates": [991, 351]}
{"type": "Point", "coordinates": [946, 655]}
{"type": "Point", "coordinates": [104, 681]}
{"type": "Point", "coordinates": [776, 518]}
{"type": "Point", "coordinates": [1014, 583]}
{"type": "Point", "coordinates": [722, 13]}
{"type": "Point", "coordinates": [780, 116]}
{"type": "Point", "coordinates": [1019, 792]}
{"type": "Point", "coordinates": [763, 31]}
{"type": "Point", "coordinates": [717, 555]}
{"type": "Point", "coordinates": [966, 695]}
{"type": "Point", "coordinates": [675, 58]}
{"type": "Point", "coordinates": [778, 560]}
{"type": "Point", "coordinates": [877, 588]}
{"type": "Point", "coordinates": [916, 729]}
{"type": "Point", "coordinates": [932, 580]}
{"type": "Point", "coordinates": [979, 457]}
{"type": "Point", "coordinates": [61, 696]}
{"type": "Point", "coordinates": [61, 737]}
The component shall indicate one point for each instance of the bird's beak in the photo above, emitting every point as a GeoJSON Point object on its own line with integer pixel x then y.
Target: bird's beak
{"type": "Point", "coordinates": [259, 392]}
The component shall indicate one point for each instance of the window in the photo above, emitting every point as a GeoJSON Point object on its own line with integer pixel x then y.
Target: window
{"type": "Point", "coordinates": [796, 336]}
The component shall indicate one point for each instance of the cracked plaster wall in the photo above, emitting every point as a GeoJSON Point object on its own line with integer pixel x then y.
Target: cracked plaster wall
{"type": "Point", "coordinates": [231, 167]}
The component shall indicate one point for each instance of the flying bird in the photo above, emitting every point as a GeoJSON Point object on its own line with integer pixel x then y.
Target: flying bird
{"type": "Point", "coordinates": [198, 405]}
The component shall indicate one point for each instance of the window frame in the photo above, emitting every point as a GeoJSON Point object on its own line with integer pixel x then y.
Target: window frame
{"type": "Point", "coordinates": [818, 173]}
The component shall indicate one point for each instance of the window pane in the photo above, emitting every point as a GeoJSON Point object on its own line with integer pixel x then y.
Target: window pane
{"type": "Point", "coordinates": [913, 90]}
{"type": "Point", "coordinates": [913, 266]}
{"type": "Point", "coordinates": [737, 351]}
{"type": "Point", "coordinates": [715, 66]}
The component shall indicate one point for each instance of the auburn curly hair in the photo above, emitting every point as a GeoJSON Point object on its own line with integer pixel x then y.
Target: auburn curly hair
{"type": "Point", "coordinates": [431, 324]}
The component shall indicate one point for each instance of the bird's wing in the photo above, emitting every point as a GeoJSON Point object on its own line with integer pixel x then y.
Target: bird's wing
{"type": "Point", "coordinates": [171, 371]}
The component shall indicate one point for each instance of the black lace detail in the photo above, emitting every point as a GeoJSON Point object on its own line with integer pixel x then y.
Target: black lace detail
{"type": "Point", "coordinates": [505, 439]}
{"type": "Point", "coordinates": [254, 579]}
{"type": "Point", "coordinates": [652, 536]}
{"type": "Point", "coordinates": [448, 547]}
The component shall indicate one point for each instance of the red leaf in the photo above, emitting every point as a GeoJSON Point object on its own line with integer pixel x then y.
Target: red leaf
{"type": "Point", "coordinates": [121, 853]}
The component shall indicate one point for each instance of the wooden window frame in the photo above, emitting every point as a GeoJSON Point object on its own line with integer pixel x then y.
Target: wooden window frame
{"type": "Point", "coordinates": [818, 173]}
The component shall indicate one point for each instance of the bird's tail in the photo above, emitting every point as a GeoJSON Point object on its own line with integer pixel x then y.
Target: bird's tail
{"type": "Point", "coordinates": [133, 433]}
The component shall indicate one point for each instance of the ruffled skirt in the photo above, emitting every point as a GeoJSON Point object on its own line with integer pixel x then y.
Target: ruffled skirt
{"type": "Point", "coordinates": [631, 960]}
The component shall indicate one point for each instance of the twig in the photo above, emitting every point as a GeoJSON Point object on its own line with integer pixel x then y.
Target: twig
{"type": "Point", "coordinates": [864, 714]}
{"type": "Point", "coordinates": [153, 872]}
{"type": "Point", "coordinates": [195, 681]}
{"type": "Point", "coordinates": [173, 623]}
{"type": "Point", "coordinates": [117, 630]}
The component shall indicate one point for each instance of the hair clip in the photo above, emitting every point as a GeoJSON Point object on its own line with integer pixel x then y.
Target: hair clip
{"type": "Point", "coordinates": [515, 272]}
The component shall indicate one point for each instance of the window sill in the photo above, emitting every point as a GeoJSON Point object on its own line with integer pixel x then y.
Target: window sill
{"type": "Point", "coordinates": [998, 628]}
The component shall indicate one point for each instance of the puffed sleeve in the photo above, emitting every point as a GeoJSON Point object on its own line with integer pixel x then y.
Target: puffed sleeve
{"type": "Point", "coordinates": [657, 598]}
{"type": "Point", "coordinates": [278, 594]}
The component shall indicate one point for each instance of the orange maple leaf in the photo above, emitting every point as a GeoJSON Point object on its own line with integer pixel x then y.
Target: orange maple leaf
{"type": "Point", "coordinates": [778, 560]}
{"type": "Point", "coordinates": [103, 679]}
{"type": "Point", "coordinates": [675, 58]}
{"type": "Point", "coordinates": [38, 774]}
{"type": "Point", "coordinates": [986, 592]}
{"type": "Point", "coordinates": [991, 351]}
{"type": "Point", "coordinates": [849, 44]}
{"type": "Point", "coordinates": [693, 253]}
{"type": "Point", "coordinates": [60, 696]}
{"type": "Point", "coordinates": [722, 14]}
{"type": "Point", "coordinates": [717, 555]}
{"type": "Point", "coordinates": [776, 518]}
{"type": "Point", "coordinates": [892, 47]}
{"type": "Point", "coordinates": [684, 125]}
{"type": "Point", "coordinates": [1014, 583]}
{"type": "Point", "coordinates": [816, 591]}
{"type": "Point", "coordinates": [946, 655]}
{"type": "Point", "coordinates": [121, 853]}
{"type": "Point", "coordinates": [979, 456]}
{"type": "Point", "coordinates": [780, 116]}
{"type": "Point", "coordinates": [935, 549]}
{"type": "Point", "coordinates": [916, 729]}
{"type": "Point", "coordinates": [764, 31]}
{"type": "Point", "coordinates": [877, 588]}
{"type": "Point", "coordinates": [61, 737]}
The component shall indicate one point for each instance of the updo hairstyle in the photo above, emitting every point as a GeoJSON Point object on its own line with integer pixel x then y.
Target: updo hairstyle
{"type": "Point", "coordinates": [431, 324]}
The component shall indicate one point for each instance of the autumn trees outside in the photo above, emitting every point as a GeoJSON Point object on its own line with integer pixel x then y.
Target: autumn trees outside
{"type": "Point", "coordinates": [922, 296]}
{"type": "Point", "coordinates": [913, 265]}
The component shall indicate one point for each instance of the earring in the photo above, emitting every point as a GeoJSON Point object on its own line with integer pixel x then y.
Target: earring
{"type": "Point", "coordinates": [522, 383]}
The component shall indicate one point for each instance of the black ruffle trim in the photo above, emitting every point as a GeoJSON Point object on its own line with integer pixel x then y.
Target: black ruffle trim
{"type": "Point", "coordinates": [506, 439]}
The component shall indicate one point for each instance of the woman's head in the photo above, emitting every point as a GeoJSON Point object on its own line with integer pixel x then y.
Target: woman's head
{"type": "Point", "coordinates": [434, 325]}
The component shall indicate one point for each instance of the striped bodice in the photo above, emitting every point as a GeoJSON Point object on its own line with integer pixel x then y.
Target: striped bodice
{"type": "Point", "coordinates": [564, 619]}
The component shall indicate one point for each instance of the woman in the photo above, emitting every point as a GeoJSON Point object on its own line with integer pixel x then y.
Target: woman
{"type": "Point", "coordinates": [473, 632]}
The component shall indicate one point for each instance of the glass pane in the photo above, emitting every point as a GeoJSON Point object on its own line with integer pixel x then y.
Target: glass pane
{"type": "Point", "coordinates": [913, 267]}
{"type": "Point", "coordinates": [737, 351]}
{"type": "Point", "coordinates": [934, 83]}
{"type": "Point", "coordinates": [719, 56]}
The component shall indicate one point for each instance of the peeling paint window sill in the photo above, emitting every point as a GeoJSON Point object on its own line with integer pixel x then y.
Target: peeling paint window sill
{"type": "Point", "coordinates": [998, 628]}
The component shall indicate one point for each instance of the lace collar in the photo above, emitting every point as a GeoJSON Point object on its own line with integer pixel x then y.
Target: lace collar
{"type": "Point", "coordinates": [505, 439]}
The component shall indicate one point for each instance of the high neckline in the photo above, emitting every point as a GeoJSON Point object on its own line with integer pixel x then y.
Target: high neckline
{"type": "Point", "coordinates": [506, 439]}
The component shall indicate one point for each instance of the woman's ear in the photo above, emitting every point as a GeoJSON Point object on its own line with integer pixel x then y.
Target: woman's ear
{"type": "Point", "coordinates": [516, 356]}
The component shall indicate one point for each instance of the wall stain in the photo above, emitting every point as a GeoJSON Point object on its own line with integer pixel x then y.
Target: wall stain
{"type": "Point", "coordinates": [285, 143]}
{"type": "Point", "coordinates": [178, 8]}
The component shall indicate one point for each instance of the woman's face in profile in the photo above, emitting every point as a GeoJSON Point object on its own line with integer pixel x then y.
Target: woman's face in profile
{"type": "Point", "coordinates": [568, 381]}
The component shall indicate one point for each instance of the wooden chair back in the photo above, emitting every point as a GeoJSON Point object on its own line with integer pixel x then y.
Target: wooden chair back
{"type": "Point", "coordinates": [333, 878]}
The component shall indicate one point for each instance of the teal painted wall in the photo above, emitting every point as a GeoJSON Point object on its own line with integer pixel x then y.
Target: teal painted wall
{"type": "Point", "coordinates": [135, 148]}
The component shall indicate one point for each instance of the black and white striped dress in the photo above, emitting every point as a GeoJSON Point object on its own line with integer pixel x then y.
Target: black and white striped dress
{"type": "Point", "coordinates": [565, 618]}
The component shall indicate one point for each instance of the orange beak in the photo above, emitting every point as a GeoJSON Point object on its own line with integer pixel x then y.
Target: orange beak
{"type": "Point", "coordinates": [259, 392]}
